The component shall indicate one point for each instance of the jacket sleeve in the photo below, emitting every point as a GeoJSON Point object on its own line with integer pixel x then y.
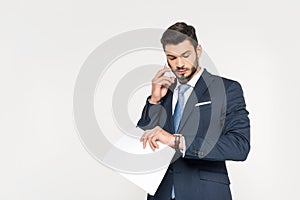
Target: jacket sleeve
{"type": "Point", "coordinates": [151, 115]}
{"type": "Point", "coordinates": [234, 140]}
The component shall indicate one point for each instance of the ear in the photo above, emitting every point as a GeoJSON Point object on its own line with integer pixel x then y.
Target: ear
{"type": "Point", "coordinates": [199, 50]}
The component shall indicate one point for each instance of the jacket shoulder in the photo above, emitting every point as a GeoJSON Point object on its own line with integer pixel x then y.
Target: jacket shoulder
{"type": "Point", "coordinates": [227, 82]}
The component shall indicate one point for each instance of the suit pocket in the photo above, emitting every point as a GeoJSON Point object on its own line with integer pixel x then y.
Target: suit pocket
{"type": "Point", "coordinates": [204, 107]}
{"type": "Point", "coordinates": [214, 177]}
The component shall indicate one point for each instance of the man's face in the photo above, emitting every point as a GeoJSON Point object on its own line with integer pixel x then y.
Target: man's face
{"type": "Point", "coordinates": [183, 60]}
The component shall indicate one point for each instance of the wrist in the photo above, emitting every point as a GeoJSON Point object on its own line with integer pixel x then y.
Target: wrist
{"type": "Point", "coordinates": [181, 144]}
{"type": "Point", "coordinates": [177, 141]}
{"type": "Point", "coordinates": [153, 101]}
{"type": "Point", "coordinates": [172, 141]}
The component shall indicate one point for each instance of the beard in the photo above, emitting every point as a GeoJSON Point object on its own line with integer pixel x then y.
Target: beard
{"type": "Point", "coordinates": [182, 78]}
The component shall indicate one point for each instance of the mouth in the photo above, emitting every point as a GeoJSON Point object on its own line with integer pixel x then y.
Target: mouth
{"type": "Point", "coordinates": [181, 71]}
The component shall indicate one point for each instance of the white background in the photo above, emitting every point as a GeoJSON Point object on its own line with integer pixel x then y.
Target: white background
{"type": "Point", "coordinates": [44, 43]}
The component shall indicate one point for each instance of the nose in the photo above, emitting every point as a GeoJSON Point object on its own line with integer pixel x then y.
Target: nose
{"type": "Point", "coordinates": [179, 62]}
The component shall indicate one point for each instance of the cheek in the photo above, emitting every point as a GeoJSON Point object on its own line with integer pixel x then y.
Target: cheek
{"type": "Point", "coordinates": [172, 64]}
{"type": "Point", "coordinates": [190, 61]}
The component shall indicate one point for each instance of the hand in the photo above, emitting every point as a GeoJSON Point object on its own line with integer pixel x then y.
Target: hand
{"type": "Point", "coordinates": [157, 134]}
{"type": "Point", "coordinates": [160, 85]}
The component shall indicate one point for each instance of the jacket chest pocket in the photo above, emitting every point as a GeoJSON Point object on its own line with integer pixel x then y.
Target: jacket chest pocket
{"type": "Point", "coordinates": [203, 105]}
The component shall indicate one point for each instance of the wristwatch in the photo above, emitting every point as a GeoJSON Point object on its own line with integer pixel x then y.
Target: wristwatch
{"type": "Point", "coordinates": [177, 140]}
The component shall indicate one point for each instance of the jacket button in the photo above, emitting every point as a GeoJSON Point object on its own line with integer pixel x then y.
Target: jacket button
{"type": "Point", "coordinates": [201, 153]}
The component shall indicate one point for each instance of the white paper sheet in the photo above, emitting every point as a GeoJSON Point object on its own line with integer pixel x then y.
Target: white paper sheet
{"type": "Point", "coordinates": [149, 182]}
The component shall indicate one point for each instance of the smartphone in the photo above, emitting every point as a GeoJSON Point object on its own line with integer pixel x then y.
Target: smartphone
{"type": "Point", "coordinates": [170, 73]}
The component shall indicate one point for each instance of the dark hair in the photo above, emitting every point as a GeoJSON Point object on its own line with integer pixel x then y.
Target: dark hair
{"type": "Point", "coordinates": [179, 32]}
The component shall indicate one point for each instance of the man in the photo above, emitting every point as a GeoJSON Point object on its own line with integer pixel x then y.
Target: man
{"type": "Point", "coordinates": [201, 115]}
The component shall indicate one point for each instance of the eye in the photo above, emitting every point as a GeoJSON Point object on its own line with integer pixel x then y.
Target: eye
{"type": "Point", "coordinates": [186, 55]}
{"type": "Point", "coordinates": [172, 58]}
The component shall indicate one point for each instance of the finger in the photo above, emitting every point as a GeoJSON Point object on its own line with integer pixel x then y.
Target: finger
{"type": "Point", "coordinates": [164, 82]}
{"type": "Point", "coordinates": [141, 139]}
{"type": "Point", "coordinates": [161, 72]}
{"type": "Point", "coordinates": [144, 140]}
{"type": "Point", "coordinates": [146, 136]}
{"type": "Point", "coordinates": [144, 143]}
{"type": "Point", "coordinates": [153, 141]}
{"type": "Point", "coordinates": [155, 138]}
{"type": "Point", "coordinates": [151, 145]}
{"type": "Point", "coordinates": [143, 136]}
{"type": "Point", "coordinates": [166, 78]}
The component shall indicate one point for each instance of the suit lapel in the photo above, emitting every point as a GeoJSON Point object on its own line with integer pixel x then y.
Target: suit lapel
{"type": "Point", "coordinates": [168, 106]}
{"type": "Point", "coordinates": [201, 86]}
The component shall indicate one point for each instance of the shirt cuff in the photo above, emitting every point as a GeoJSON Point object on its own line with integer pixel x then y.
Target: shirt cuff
{"type": "Point", "coordinates": [153, 103]}
{"type": "Point", "coordinates": [183, 147]}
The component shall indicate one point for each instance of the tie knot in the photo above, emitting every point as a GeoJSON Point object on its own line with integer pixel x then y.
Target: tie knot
{"type": "Point", "coordinates": [183, 88]}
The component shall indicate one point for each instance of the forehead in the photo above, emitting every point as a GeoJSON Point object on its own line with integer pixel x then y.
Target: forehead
{"type": "Point", "coordinates": [178, 49]}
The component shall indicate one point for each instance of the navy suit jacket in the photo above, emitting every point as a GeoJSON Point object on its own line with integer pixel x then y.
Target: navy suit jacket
{"type": "Point", "coordinates": [214, 131]}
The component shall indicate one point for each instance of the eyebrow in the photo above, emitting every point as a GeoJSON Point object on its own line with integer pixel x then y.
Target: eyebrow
{"type": "Point", "coordinates": [188, 51]}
